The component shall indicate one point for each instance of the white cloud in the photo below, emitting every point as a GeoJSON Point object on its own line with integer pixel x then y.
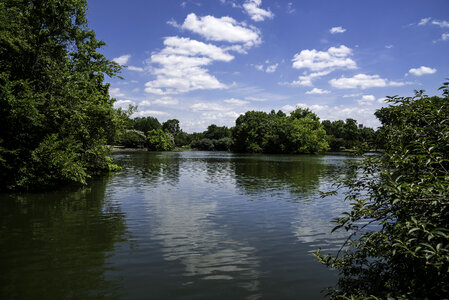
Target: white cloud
{"type": "Point", "coordinates": [146, 113]}
{"type": "Point", "coordinates": [224, 29]}
{"type": "Point", "coordinates": [445, 36]}
{"type": "Point", "coordinates": [367, 100]}
{"type": "Point", "coordinates": [133, 68]}
{"type": "Point", "coordinates": [338, 29]}
{"type": "Point", "coordinates": [122, 60]}
{"type": "Point", "coordinates": [423, 21]}
{"type": "Point", "coordinates": [236, 101]}
{"type": "Point", "coordinates": [422, 71]}
{"type": "Point", "coordinates": [442, 24]}
{"type": "Point", "coordinates": [116, 93]}
{"type": "Point", "coordinates": [123, 103]}
{"type": "Point", "coordinates": [290, 9]}
{"type": "Point", "coordinates": [204, 106]}
{"type": "Point", "coordinates": [166, 101]}
{"type": "Point", "coordinates": [144, 103]}
{"type": "Point", "coordinates": [363, 81]}
{"type": "Point", "coordinates": [333, 58]}
{"type": "Point", "coordinates": [250, 98]}
{"type": "Point", "coordinates": [187, 47]}
{"type": "Point", "coordinates": [259, 67]}
{"type": "Point", "coordinates": [317, 92]}
{"type": "Point", "coordinates": [389, 46]}
{"type": "Point", "coordinates": [352, 95]}
{"type": "Point", "coordinates": [272, 68]}
{"type": "Point", "coordinates": [182, 63]}
{"type": "Point", "coordinates": [257, 14]}
{"type": "Point", "coordinates": [306, 80]}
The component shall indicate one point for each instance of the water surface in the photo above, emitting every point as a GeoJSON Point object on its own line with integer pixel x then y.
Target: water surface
{"type": "Point", "coordinates": [176, 225]}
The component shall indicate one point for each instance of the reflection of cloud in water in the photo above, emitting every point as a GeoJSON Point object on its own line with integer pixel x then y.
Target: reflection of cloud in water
{"type": "Point", "coordinates": [312, 224]}
{"type": "Point", "coordinates": [185, 227]}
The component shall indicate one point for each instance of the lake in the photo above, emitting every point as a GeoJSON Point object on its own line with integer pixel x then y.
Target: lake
{"type": "Point", "coordinates": [177, 225]}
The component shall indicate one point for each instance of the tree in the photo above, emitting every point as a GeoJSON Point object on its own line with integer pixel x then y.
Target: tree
{"type": "Point", "coordinates": [171, 126]}
{"type": "Point", "coordinates": [398, 245]}
{"type": "Point", "coordinates": [215, 132]}
{"type": "Point", "coordinates": [54, 105]}
{"type": "Point", "coordinates": [146, 124]}
{"type": "Point", "coordinates": [301, 132]}
{"type": "Point", "coordinates": [132, 138]}
{"type": "Point", "coordinates": [158, 141]}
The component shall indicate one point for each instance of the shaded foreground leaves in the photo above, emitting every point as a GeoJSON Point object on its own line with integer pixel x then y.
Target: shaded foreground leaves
{"type": "Point", "coordinates": [398, 243]}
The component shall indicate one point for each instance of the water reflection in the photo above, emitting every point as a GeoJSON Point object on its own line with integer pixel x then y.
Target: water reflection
{"type": "Point", "coordinates": [277, 174]}
{"type": "Point", "coordinates": [199, 225]}
{"type": "Point", "coordinates": [55, 245]}
{"type": "Point", "coordinates": [188, 228]}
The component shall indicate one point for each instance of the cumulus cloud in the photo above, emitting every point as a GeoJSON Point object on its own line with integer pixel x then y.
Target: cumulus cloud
{"type": "Point", "coordinates": [236, 102]}
{"type": "Point", "coordinates": [182, 63]}
{"type": "Point", "coordinates": [367, 100]}
{"type": "Point", "coordinates": [116, 93]}
{"type": "Point", "coordinates": [123, 103]}
{"type": "Point", "coordinates": [224, 29]}
{"type": "Point", "coordinates": [306, 80]}
{"type": "Point", "coordinates": [442, 24]}
{"type": "Point", "coordinates": [146, 113]}
{"type": "Point", "coordinates": [205, 106]}
{"type": "Point", "coordinates": [166, 101]}
{"type": "Point", "coordinates": [338, 29]}
{"type": "Point", "coordinates": [272, 68]}
{"type": "Point", "coordinates": [317, 91]}
{"type": "Point", "coordinates": [424, 21]}
{"type": "Point", "coordinates": [122, 60]}
{"type": "Point", "coordinates": [363, 81]}
{"type": "Point", "coordinates": [445, 36]}
{"type": "Point", "coordinates": [257, 14]}
{"type": "Point", "coordinates": [333, 58]}
{"type": "Point", "coordinates": [133, 68]}
{"type": "Point", "coordinates": [422, 71]}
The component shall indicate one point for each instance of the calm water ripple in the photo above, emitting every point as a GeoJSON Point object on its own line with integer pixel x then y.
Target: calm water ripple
{"type": "Point", "coordinates": [176, 225]}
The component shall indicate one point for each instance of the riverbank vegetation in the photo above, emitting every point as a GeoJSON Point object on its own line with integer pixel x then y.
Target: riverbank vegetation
{"type": "Point", "coordinates": [398, 244]}
{"type": "Point", "coordinates": [55, 107]}
{"type": "Point", "coordinates": [256, 132]}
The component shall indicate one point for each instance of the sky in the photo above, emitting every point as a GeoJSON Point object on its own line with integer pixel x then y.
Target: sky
{"type": "Point", "coordinates": [206, 62]}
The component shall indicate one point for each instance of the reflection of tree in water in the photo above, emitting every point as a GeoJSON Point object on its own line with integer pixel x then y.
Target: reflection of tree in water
{"type": "Point", "coordinates": [298, 174]}
{"type": "Point", "coordinates": [55, 245]}
{"type": "Point", "coordinates": [150, 167]}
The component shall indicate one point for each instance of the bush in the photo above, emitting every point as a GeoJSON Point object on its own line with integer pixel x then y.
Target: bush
{"type": "Point", "coordinates": [404, 194]}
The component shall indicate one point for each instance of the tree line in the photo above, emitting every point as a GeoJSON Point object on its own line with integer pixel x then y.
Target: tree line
{"type": "Point", "coordinates": [254, 132]}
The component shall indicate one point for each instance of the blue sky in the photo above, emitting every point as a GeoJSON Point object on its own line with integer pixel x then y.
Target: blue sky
{"type": "Point", "coordinates": [208, 61]}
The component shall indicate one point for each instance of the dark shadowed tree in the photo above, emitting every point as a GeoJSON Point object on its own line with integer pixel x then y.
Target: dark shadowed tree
{"type": "Point", "coordinates": [54, 104]}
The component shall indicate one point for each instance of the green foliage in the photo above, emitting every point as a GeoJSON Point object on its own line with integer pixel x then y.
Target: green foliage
{"type": "Point", "coordinates": [132, 138]}
{"type": "Point", "coordinates": [203, 144]}
{"type": "Point", "coordinates": [183, 139]}
{"type": "Point", "coordinates": [347, 135]}
{"type": "Point", "coordinates": [157, 140]}
{"type": "Point", "coordinates": [145, 124]}
{"type": "Point", "coordinates": [54, 105]}
{"type": "Point", "coordinates": [399, 237]}
{"type": "Point", "coordinates": [215, 132]}
{"type": "Point", "coordinates": [223, 144]}
{"type": "Point", "coordinates": [171, 126]}
{"type": "Point", "coordinates": [301, 132]}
